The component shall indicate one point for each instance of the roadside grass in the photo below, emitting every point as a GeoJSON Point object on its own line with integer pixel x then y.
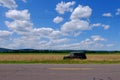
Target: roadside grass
{"type": "Point", "coordinates": [58, 59]}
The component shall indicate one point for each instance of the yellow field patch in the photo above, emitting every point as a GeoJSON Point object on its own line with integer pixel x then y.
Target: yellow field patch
{"type": "Point", "coordinates": [57, 57]}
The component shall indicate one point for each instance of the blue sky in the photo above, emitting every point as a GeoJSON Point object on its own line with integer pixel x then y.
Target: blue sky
{"type": "Point", "coordinates": [60, 24]}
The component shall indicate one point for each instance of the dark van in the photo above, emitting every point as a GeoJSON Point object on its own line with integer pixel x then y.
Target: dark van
{"type": "Point", "coordinates": [76, 55]}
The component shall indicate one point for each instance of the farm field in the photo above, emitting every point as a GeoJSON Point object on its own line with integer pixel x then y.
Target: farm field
{"type": "Point", "coordinates": [58, 59]}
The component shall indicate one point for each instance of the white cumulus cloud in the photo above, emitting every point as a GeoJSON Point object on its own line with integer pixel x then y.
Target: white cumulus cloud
{"type": "Point", "coordinates": [5, 37]}
{"type": "Point", "coordinates": [81, 12]}
{"type": "Point", "coordinates": [101, 25]}
{"type": "Point", "coordinates": [42, 32]}
{"type": "Point", "coordinates": [21, 21]}
{"type": "Point", "coordinates": [97, 38]}
{"type": "Point", "coordinates": [47, 33]}
{"type": "Point", "coordinates": [5, 34]}
{"type": "Point", "coordinates": [63, 7]}
{"type": "Point", "coordinates": [57, 19]}
{"type": "Point", "coordinates": [105, 26]}
{"type": "Point", "coordinates": [92, 43]}
{"type": "Point", "coordinates": [55, 34]}
{"type": "Point", "coordinates": [19, 26]}
{"type": "Point", "coordinates": [30, 36]}
{"type": "Point", "coordinates": [11, 4]}
{"type": "Point", "coordinates": [118, 11]}
{"type": "Point", "coordinates": [75, 25]}
{"type": "Point", "coordinates": [18, 14]}
{"type": "Point", "coordinates": [107, 15]}
{"type": "Point", "coordinates": [59, 41]}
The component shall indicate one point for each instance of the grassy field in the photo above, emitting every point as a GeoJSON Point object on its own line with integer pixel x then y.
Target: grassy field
{"type": "Point", "coordinates": [58, 59]}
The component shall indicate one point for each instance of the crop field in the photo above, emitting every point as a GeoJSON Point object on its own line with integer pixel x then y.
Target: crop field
{"type": "Point", "coordinates": [58, 59]}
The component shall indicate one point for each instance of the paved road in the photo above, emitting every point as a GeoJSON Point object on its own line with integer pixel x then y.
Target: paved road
{"type": "Point", "coordinates": [59, 72]}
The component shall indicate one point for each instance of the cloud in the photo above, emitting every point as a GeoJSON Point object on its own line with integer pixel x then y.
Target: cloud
{"type": "Point", "coordinates": [107, 15]}
{"type": "Point", "coordinates": [18, 15]}
{"type": "Point", "coordinates": [92, 40]}
{"type": "Point", "coordinates": [81, 12]}
{"type": "Point", "coordinates": [21, 21]}
{"type": "Point", "coordinates": [11, 4]}
{"type": "Point", "coordinates": [24, 42]}
{"type": "Point", "coordinates": [5, 37]}
{"type": "Point", "coordinates": [110, 45]}
{"type": "Point", "coordinates": [55, 34]}
{"type": "Point", "coordinates": [54, 44]}
{"type": "Point", "coordinates": [59, 41]}
{"type": "Point", "coordinates": [75, 25]}
{"type": "Point", "coordinates": [42, 37]}
{"type": "Point", "coordinates": [57, 19]}
{"type": "Point", "coordinates": [97, 38]}
{"type": "Point", "coordinates": [42, 32]}
{"type": "Point", "coordinates": [5, 34]}
{"type": "Point", "coordinates": [63, 7]}
{"type": "Point", "coordinates": [105, 26]}
{"type": "Point", "coordinates": [22, 25]}
{"type": "Point", "coordinates": [92, 43]}
{"type": "Point", "coordinates": [27, 36]}
{"type": "Point", "coordinates": [19, 26]}
{"type": "Point", "coordinates": [47, 33]}
{"type": "Point", "coordinates": [118, 11]}
{"type": "Point", "coordinates": [57, 44]}
{"type": "Point", "coordinates": [24, 1]}
{"type": "Point", "coordinates": [101, 25]}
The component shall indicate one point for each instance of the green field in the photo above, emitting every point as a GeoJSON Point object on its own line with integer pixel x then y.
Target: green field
{"type": "Point", "coordinates": [58, 59]}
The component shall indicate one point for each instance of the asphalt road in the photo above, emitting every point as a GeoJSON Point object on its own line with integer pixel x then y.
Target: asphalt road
{"type": "Point", "coordinates": [59, 72]}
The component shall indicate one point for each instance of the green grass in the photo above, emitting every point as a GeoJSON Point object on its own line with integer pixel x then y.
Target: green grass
{"type": "Point", "coordinates": [80, 62]}
{"type": "Point", "coordinates": [60, 62]}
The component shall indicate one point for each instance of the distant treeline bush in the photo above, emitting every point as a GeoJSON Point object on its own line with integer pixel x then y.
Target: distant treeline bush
{"type": "Point", "coordinates": [58, 51]}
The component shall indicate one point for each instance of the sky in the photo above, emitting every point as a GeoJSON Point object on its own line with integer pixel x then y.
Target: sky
{"type": "Point", "coordinates": [60, 24]}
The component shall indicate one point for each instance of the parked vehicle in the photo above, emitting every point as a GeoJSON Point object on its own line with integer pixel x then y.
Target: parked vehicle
{"type": "Point", "coordinates": [76, 55]}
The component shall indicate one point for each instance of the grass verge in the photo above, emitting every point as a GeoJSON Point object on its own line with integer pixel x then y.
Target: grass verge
{"type": "Point", "coordinates": [60, 62]}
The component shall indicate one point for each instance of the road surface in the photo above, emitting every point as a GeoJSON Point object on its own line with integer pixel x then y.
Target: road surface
{"type": "Point", "coordinates": [59, 71]}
